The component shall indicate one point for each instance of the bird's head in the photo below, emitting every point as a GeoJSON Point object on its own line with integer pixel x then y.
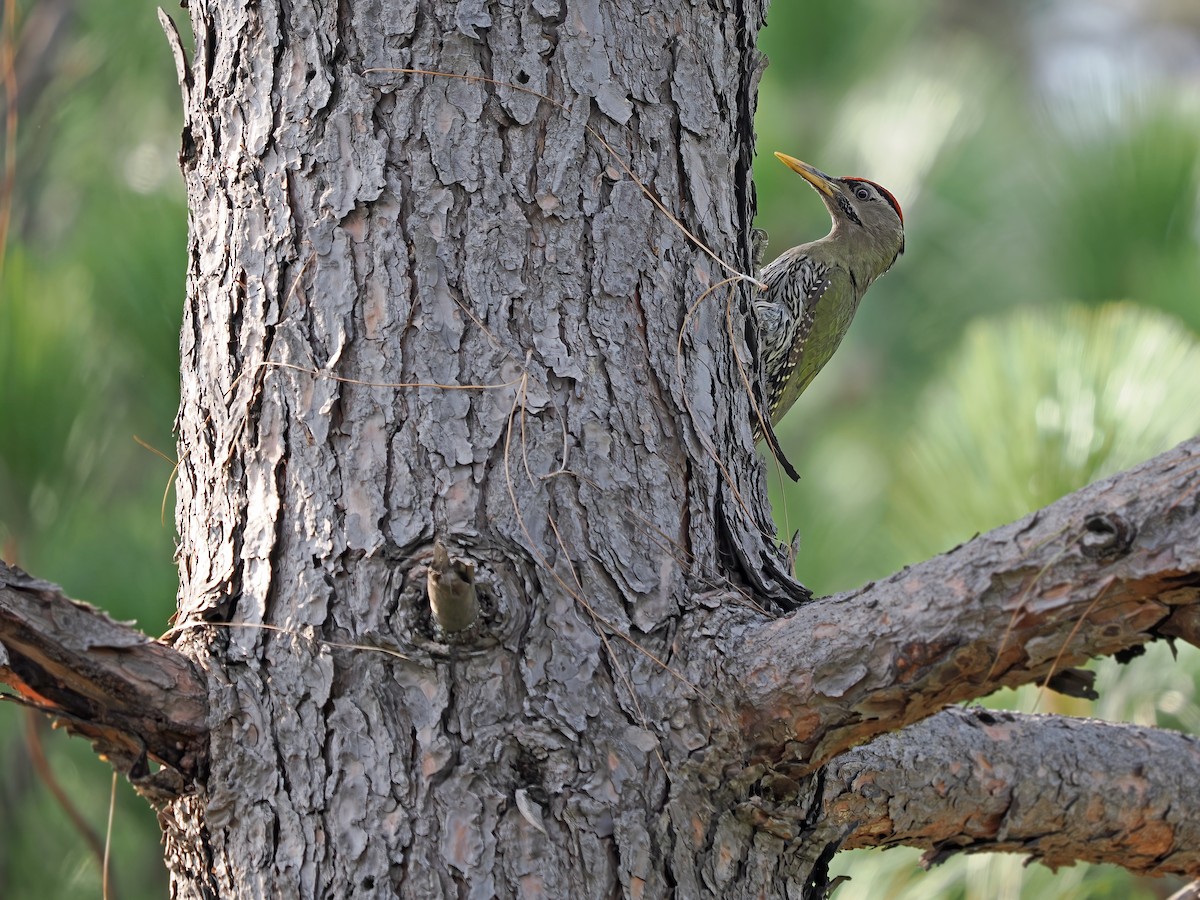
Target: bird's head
{"type": "Point", "coordinates": [867, 221]}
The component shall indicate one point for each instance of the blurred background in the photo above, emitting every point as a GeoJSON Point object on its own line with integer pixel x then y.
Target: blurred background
{"type": "Point", "coordinates": [91, 298]}
{"type": "Point", "coordinates": [1040, 332]}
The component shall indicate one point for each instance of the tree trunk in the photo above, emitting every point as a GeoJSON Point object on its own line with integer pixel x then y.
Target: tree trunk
{"type": "Point", "coordinates": [423, 309]}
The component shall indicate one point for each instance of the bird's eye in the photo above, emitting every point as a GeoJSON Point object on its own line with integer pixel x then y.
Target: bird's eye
{"type": "Point", "coordinates": [862, 194]}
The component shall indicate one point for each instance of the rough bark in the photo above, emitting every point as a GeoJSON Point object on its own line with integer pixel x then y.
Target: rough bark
{"type": "Point", "coordinates": [427, 309]}
{"type": "Point", "coordinates": [137, 700]}
{"type": "Point", "coordinates": [1107, 568]}
{"type": "Point", "coordinates": [1055, 789]}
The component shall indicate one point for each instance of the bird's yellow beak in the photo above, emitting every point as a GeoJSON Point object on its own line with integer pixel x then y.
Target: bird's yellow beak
{"type": "Point", "coordinates": [811, 174]}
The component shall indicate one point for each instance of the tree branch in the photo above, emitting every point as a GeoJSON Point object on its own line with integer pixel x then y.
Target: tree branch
{"type": "Point", "coordinates": [1055, 788]}
{"type": "Point", "coordinates": [1110, 567]}
{"type": "Point", "coordinates": [133, 697]}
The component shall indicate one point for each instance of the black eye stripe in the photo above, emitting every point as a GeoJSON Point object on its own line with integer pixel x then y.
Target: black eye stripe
{"type": "Point", "coordinates": [847, 209]}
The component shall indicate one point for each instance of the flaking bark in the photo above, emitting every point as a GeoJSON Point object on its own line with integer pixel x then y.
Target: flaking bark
{"type": "Point", "coordinates": [140, 702]}
{"type": "Point", "coordinates": [1055, 789]}
{"type": "Point", "coordinates": [1110, 567]}
{"type": "Point", "coordinates": [424, 306]}
{"type": "Point", "coordinates": [1022, 778]}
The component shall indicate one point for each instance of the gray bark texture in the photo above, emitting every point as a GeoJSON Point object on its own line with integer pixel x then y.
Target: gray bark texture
{"type": "Point", "coordinates": [429, 311]}
{"type": "Point", "coordinates": [141, 704]}
{"type": "Point", "coordinates": [1115, 792]}
{"type": "Point", "coordinates": [424, 308]}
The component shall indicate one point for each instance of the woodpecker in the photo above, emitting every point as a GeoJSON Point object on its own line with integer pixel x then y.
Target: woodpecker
{"type": "Point", "coordinates": [813, 290]}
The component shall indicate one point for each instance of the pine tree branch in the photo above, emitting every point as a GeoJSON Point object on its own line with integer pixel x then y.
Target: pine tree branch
{"type": "Point", "coordinates": [1105, 569]}
{"type": "Point", "coordinates": [1058, 789]}
{"type": "Point", "coordinates": [135, 698]}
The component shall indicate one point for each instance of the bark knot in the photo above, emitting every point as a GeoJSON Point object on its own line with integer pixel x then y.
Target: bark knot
{"type": "Point", "coordinates": [1106, 536]}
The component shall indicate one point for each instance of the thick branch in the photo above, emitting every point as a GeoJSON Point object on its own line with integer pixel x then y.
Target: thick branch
{"type": "Point", "coordinates": [1055, 788]}
{"type": "Point", "coordinates": [1109, 567]}
{"type": "Point", "coordinates": [135, 698]}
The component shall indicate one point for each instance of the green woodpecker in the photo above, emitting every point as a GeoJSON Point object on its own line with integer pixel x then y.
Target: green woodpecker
{"type": "Point", "coordinates": [813, 290]}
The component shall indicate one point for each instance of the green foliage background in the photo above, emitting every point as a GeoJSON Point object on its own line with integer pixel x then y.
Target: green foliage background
{"type": "Point", "coordinates": [1040, 332]}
